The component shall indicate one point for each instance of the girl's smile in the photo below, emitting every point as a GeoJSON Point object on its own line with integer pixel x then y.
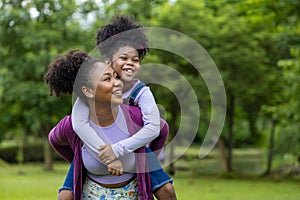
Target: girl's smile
{"type": "Point", "coordinates": [126, 62]}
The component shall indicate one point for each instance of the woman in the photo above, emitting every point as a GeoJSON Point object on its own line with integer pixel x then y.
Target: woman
{"type": "Point", "coordinates": [109, 118]}
{"type": "Point", "coordinates": [124, 45]}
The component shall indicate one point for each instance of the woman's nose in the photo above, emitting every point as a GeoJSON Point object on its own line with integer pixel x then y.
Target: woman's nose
{"type": "Point", "coordinates": [117, 82]}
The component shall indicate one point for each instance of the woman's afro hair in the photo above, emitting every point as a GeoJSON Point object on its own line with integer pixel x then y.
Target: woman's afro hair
{"type": "Point", "coordinates": [62, 72]}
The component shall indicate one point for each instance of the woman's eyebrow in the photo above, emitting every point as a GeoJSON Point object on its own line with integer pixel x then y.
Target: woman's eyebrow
{"type": "Point", "coordinates": [106, 74]}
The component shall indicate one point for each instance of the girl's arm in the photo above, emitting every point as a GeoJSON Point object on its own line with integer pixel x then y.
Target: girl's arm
{"type": "Point", "coordinates": [148, 132]}
{"type": "Point", "coordinates": [80, 123]}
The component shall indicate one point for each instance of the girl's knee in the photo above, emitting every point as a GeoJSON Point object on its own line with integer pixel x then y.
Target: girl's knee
{"type": "Point", "coordinates": [166, 192]}
{"type": "Point", "coordinates": [65, 195]}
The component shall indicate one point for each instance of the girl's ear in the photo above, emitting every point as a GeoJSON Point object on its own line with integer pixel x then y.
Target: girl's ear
{"type": "Point", "coordinates": [88, 92]}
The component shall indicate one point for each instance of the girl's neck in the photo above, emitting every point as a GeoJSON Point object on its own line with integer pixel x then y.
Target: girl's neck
{"type": "Point", "coordinates": [104, 116]}
{"type": "Point", "coordinates": [127, 86]}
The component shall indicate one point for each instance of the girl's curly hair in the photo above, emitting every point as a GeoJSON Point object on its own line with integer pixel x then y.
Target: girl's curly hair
{"type": "Point", "coordinates": [122, 31]}
{"type": "Point", "coordinates": [62, 72]}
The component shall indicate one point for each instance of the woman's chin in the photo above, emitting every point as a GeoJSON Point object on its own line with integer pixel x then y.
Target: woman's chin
{"type": "Point", "coordinates": [117, 102]}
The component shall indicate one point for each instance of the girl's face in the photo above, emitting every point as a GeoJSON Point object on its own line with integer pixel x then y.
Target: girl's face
{"type": "Point", "coordinates": [126, 62]}
{"type": "Point", "coordinates": [108, 87]}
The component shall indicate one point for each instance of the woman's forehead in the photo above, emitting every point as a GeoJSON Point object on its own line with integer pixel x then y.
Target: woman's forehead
{"type": "Point", "coordinates": [102, 69]}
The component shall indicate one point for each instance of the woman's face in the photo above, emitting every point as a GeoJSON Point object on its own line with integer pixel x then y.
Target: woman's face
{"type": "Point", "coordinates": [108, 87]}
{"type": "Point", "coordinates": [126, 62]}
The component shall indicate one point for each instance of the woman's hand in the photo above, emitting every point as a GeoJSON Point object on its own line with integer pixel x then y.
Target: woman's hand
{"type": "Point", "coordinates": [115, 168]}
{"type": "Point", "coordinates": [106, 155]}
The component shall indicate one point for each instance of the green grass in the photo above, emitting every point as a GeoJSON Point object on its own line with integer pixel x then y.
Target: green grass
{"type": "Point", "coordinates": [194, 179]}
{"type": "Point", "coordinates": [213, 188]}
{"type": "Point", "coordinates": [30, 182]}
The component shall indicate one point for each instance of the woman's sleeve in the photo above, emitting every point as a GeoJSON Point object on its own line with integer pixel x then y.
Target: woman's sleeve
{"type": "Point", "coordinates": [60, 138]}
{"type": "Point", "coordinates": [148, 132]}
{"type": "Point", "coordinates": [80, 123]}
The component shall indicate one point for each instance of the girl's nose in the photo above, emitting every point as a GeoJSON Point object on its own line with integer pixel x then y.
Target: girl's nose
{"type": "Point", "coordinates": [129, 62]}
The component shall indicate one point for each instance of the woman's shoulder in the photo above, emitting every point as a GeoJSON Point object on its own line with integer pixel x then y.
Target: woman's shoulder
{"type": "Point", "coordinates": [65, 124]}
{"type": "Point", "coordinates": [132, 113]}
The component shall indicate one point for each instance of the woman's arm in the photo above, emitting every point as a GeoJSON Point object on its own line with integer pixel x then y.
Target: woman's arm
{"type": "Point", "coordinates": [60, 138]}
{"type": "Point", "coordinates": [158, 143]}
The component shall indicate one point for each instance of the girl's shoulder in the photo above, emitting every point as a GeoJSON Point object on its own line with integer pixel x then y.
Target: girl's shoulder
{"type": "Point", "coordinates": [135, 92]}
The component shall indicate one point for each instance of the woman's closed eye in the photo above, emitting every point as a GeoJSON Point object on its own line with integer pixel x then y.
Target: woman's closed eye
{"type": "Point", "coordinates": [107, 79]}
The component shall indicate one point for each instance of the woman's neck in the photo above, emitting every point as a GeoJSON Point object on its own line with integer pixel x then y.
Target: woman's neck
{"type": "Point", "coordinates": [104, 116]}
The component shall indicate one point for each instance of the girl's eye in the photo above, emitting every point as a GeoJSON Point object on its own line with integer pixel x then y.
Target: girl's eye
{"type": "Point", "coordinates": [116, 76]}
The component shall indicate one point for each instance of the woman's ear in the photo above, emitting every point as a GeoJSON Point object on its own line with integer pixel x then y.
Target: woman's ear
{"type": "Point", "coordinates": [108, 61]}
{"type": "Point", "coordinates": [88, 92]}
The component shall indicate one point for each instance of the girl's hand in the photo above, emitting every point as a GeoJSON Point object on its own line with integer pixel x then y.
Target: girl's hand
{"type": "Point", "coordinates": [115, 168]}
{"type": "Point", "coordinates": [106, 155]}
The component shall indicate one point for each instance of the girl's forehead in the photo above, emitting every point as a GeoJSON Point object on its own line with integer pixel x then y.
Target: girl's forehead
{"type": "Point", "coordinates": [127, 50]}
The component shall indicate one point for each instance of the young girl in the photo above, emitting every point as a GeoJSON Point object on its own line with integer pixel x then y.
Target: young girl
{"type": "Point", "coordinates": [124, 53]}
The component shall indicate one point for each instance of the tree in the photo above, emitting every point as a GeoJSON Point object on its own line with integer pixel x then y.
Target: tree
{"type": "Point", "coordinates": [276, 27]}
{"type": "Point", "coordinates": [232, 46]}
{"type": "Point", "coordinates": [32, 33]}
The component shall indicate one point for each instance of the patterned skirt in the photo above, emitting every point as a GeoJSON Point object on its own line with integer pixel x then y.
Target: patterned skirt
{"type": "Point", "coordinates": [94, 191]}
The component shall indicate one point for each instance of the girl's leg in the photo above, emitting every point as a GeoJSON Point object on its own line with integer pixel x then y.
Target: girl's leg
{"type": "Point", "coordinates": [66, 191]}
{"type": "Point", "coordinates": [161, 182]}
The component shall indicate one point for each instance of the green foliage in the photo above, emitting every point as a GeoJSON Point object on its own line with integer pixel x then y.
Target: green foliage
{"type": "Point", "coordinates": [32, 152]}
{"type": "Point", "coordinates": [32, 34]}
{"type": "Point", "coordinates": [255, 45]}
{"type": "Point", "coordinates": [288, 140]}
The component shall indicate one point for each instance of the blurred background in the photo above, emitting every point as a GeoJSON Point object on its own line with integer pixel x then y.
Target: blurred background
{"type": "Point", "coordinates": [255, 45]}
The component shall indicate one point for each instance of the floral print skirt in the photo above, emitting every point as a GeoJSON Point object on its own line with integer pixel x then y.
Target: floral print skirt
{"type": "Point", "coordinates": [94, 191]}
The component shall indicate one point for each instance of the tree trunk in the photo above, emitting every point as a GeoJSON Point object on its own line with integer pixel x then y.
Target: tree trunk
{"type": "Point", "coordinates": [20, 155]}
{"type": "Point", "coordinates": [255, 136]}
{"type": "Point", "coordinates": [271, 148]}
{"type": "Point", "coordinates": [230, 133]}
{"type": "Point", "coordinates": [172, 168]}
{"type": "Point", "coordinates": [223, 154]}
{"type": "Point", "coordinates": [48, 160]}
{"type": "Point", "coordinates": [172, 133]}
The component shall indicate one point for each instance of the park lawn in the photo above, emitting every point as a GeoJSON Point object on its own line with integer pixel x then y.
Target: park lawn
{"type": "Point", "coordinates": [215, 188]}
{"type": "Point", "coordinates": [31, 182]}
